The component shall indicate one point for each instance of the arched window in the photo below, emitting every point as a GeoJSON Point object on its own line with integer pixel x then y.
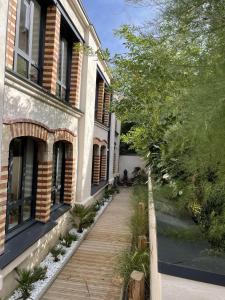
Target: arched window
{"type": "Point", "coordinates": [21, 182]}
{"type": "Point", "coordinates": [58, 174]}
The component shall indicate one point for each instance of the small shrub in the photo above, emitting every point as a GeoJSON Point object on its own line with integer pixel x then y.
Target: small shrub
{"type": "Point", "coordinates": [82, 217]}
{"type": "Point", "coordinates": [137, 260]}
{"type": "Point", "coordinates": [26, 278]}
{"type": "Point", "coordinates": [39, 273]}
{"type": "Point", "coordinates": [25, 282]}
{"type": "Point", "coordinates": [67, 240]}
{"type": "Point", "coordinates": [56, 252]}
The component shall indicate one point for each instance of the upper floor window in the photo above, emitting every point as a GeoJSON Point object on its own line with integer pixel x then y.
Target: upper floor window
{"type": "Point", "coordinates": [28, 33]}
{"type": "Point", "coordinates": [63, 69]}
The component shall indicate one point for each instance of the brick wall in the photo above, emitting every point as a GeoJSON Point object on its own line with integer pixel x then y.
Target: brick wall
{"type": "Point", "coordinates": [107, 106]}
{"type": "Point", "coordinates": [75, 82]}
{"type": "Point", "coordinates": [100, 100]}
{"type": "Point", "coordinates": [11, 32]}
{"type": "Point", "coordinates": [96, 169]}
{"type": "Point", "coordinates": [3, 200]}
{"type": "Point", "coordinates": [44, 186]}
{"type": "Point", "coordinates": [103, 167]}
{"type": "Point", "coordinates": [51, 51]}
{"type": "Point", "coordinates": [69, 181]}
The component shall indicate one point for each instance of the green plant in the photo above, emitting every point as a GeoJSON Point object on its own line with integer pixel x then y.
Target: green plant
{"type": "Point", "coordinates": [56, 252]}
{"type": "Point", "coordinates": [25, 282]}
{"type": "Point", "coordinates": [82, 217]}
{"type": "Point", "coordinates": [39, 273]}
{"type": "Point", "coordinates": [137, 260]}
{"type": "Point", "coordinates": [26, 278]}
{"type": "Point", "coordinates": [68, 239]}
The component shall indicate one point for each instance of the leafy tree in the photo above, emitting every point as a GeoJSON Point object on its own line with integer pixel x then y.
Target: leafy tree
{"type": "Point", "coordinates": [171, 82]}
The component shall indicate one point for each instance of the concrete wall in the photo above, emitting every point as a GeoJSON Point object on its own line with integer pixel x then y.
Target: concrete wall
{"type": "Point", "coordinates": [165, 287]}
{"type": "Point", "coordinates": [129, 162]}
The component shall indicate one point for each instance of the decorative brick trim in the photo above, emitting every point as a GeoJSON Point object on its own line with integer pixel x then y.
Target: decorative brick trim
{"type": "Point", "coordinates": [69, 181]}
{"type": "Point", "coordinates": [10, 122]}
{"type": "Point", "coordinates": [28, 129]}
{"type": "Point", "coordinates": [106, 110]}
{"type": "Point", "coordinates": [44, 186]}
{"type": "Point", "coordinates": [51, 51]}
{"type": "Point", "coordinates": [99, 142]}
{"type": "Point", "coordinates": [103, 167]}
{"type": "Point", "coordinates": [3, 200]}
{"type": "Point", "coordinates": [75, 82]}
{"type": "Point", "coordinates": [100, 100]}
{"type": "Point", "coordinates": [11, 33]}
{"type": "Point", "coordinates": [63, 135]}
{"type": "Point", "coordinates": [96, 169]}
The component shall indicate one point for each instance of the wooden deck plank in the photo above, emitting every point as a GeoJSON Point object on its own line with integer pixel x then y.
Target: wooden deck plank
{"type": "Point", "coordinates": [90, 273]}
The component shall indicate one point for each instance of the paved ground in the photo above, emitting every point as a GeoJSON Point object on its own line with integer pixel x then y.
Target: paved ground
{"type": "Point", "coordinates": [90, 274]}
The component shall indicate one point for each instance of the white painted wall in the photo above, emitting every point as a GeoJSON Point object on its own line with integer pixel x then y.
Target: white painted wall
{"type": "Point", "coordinates": [3, 27]}
{"type": "Point", "coordinates": [129, 162]}
{"type": "Point", "coordinates": [20, 104]}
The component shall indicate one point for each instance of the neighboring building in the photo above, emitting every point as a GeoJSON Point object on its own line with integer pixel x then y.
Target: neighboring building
{"type": "Point", "coordinates": [60, 144]}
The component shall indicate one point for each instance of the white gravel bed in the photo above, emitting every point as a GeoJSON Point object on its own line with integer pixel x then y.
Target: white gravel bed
{"type": "Point", "coordinates": [53, 268]}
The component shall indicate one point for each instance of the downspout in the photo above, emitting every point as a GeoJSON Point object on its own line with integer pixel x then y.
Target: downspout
{"type": "Point", "coordinates": [108, 151]}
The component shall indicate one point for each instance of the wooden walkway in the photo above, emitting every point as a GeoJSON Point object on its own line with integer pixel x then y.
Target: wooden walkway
{"type": "Point", "coordinates": [90, 273]}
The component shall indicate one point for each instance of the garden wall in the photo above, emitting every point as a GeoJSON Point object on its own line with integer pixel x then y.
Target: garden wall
{"type": "Point", "coordinates": [167, 287]}
{"type": "Point", "coordinates": [129, 162]}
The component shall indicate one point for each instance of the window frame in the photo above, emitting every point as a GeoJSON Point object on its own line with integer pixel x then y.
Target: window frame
{"type": "Point", "coordinates": [19, 203]}
{"type": "Point", "coordinates": [54, 205]}
{"type": "Point", "coordinates": [28, 57]}
{"type": "Point", "coordinates": [59, 82]}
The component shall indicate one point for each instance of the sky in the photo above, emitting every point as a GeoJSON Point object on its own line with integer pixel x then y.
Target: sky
{"type": "Point", "coordinates": [108, 15]}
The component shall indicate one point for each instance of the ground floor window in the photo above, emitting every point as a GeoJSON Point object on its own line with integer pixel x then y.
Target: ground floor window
{"type": "Point", "coordinates": [21, 182]}
{"type": "Point", "coordinates": [58, 173]}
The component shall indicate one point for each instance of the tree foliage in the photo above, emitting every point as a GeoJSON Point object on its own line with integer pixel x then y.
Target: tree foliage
{"type": "Point", "coordinates": [172, 88]}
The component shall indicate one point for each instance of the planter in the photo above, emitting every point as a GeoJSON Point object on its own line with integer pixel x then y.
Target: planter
{"type": "Point", "coordinates": [54, 268]}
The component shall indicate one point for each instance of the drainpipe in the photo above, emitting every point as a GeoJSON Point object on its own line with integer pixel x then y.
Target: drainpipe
{"type": "Point", "coordinates": [108, 151]}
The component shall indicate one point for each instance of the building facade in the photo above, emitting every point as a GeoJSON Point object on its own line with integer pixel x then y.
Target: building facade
{"type": "Point", "coordinates": [59, 142]}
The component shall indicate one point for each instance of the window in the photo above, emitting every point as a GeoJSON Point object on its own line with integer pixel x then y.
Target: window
{"type": "Point", "coordinates": [58, 173]}
{"type": "Point", "coordinates": [27, 48]}
{"type": "Point", "coordinates": [63, 70]}
{"type": "Point", "coordinates": [22, 179]}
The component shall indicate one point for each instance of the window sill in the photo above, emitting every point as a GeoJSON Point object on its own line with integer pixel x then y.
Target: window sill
{"type": "Point", "coordinates": [101, 125]}
{"type": "Point", "coordinates": [59, 211]}
{"type": "Point", "coordinates": [96, 188]}
{"type": "Point", "coordinates": [15, 246]}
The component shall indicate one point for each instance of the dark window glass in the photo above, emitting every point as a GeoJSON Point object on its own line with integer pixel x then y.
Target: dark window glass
{"type": "Point", "coordinates": [63, 66]}
{"type": "Point", "coordinates": [27, 46]}
{"type": "Point", "coordinates": [22, 166]}
{"type": "Point", "coordinates": [22, 66]}
{"type": "Point", "coordinates": [58, 173]}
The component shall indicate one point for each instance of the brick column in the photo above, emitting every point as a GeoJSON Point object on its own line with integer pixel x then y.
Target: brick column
{"type": "Point", "coordinates": [3, 201]}
{"type": "Point", "coordinates": [103, 167]}
{"type": "Point", "coordinates": [11, 33]}
{"type": "Point", "coordinates": [51, 51]}
{"type": "Point", "coordinates": [75, 83]}
{"type": "Point", "coordinates": [44, 186]}
{"type": "Point", "coordinates": [96, 169]}
{"type": "Point", "coordinates": [106, 111]}
{"type": "Point", "coordinates": [100, 94]}
{"type": "Point", "coordinates": [69, 181]}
